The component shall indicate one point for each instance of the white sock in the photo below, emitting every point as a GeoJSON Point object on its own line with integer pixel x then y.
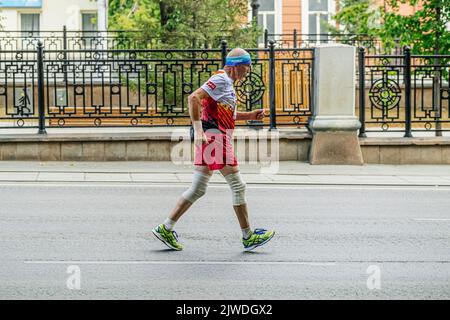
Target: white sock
{"type": "Point", "coordinates": [246, 233]}
{"type": "Point", "coordinates": [169, 223]}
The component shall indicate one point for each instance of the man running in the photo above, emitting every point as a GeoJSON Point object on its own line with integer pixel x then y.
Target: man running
{"type": "Point", "coordinates": [213, 111]}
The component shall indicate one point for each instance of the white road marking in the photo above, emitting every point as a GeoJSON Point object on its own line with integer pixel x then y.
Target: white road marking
{"type": "Point", "coordinates": [265, 185]}
{"type": "Point", "coordinates": [430, 219]}
{"type": "Point", "coordinates": [142, 262]}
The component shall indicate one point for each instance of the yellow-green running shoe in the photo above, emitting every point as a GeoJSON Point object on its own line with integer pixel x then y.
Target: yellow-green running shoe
{"type": "Point", "coordinates": [170, 238]}
{"type": "Point", "coordinates": [258, 238]}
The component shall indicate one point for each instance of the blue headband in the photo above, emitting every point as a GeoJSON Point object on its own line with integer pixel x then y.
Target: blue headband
{"type": "Point", "coordinates": [238, 60]}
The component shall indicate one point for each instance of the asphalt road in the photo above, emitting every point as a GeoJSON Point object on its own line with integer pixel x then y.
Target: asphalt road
{"type": "Point", "coordinates": [93, 241]}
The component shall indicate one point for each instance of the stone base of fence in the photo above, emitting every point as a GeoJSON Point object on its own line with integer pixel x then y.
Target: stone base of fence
{"type": "Point", "coordinates": [292, 145]}
{"type": "Point", "coordinates": [288, 145]}
{"type": "Point", "coordinates": [336, 148]}
{"type": "Point", "coordinates": [435, 150]}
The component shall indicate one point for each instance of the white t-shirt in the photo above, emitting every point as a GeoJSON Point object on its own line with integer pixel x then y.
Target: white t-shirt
{"type": "Point", "coordinates": [220, 88]}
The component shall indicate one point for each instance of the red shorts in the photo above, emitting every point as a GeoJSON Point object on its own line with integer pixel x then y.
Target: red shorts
{"type": "Point", "coordinates": [217, 153]}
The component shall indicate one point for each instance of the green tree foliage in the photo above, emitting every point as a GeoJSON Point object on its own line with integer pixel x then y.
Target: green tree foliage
{"type": "Point", "coordinates": [357, 17]}
{"type": "Point", "coordinates": [134, 15]}
{"type": "Point", "coordinates": [179, 24]}
{"type": "Point", "coordinates": [425, 31]}
{"type": "Point", "coordinates": [185, 23]}
{"type": "Point", "coordinates": [357, 23]}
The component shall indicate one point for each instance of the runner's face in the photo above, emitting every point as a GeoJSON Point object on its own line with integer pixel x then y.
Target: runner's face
{"type": "Point", "coordinates": [243, 71]}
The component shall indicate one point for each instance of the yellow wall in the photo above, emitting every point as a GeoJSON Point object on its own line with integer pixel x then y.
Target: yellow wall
{"type": "Point", "coordinates": [291, 16]}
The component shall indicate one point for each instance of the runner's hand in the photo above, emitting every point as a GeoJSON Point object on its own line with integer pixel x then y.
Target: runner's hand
{"type": "Point", "coordinates": [258, 114]}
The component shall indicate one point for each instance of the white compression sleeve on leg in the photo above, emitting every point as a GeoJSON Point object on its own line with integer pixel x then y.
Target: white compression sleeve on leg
{"type": "Point", "coordinates": [198, 187]}
{"type": "Point", "coordinates": [237, 186]}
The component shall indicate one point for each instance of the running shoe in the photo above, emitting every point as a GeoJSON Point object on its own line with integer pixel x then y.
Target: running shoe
{"type": "Point", "coordinates": [258, 238]}
{"type": "Point", "coordinates": [169, 238]}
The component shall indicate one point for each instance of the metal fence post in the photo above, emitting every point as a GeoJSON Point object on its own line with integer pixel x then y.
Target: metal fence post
{"type": "Point", "coordinates": [65, 52]}
{"type": "Point", "coordinates": [266, 38]}
{"type": "Point", "coordinates": [41, 101]}
{"type": "Point", "coordinates": [255, 6]}
{"type": "Point", "coordinates": [273, 118]}
{"type": "Point", "coordinates": [295, 38]}
{"type": "Point", "coordinates": [223, 46]}
{"type": "Point", "coordinates": [437, 105]}
{"type": "Point", "coordinates": [407, 80]}
{"type": "Point", "coordinates": [65, 37]}
{"type": "Point", "coordinates": [362, 92]}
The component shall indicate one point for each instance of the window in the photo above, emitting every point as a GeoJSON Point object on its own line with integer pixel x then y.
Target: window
{"type": "Point", "coordinates": [29, 23]}
{"type": "Point", "coordinates": [88, 22]}
{"type": "Point", "coordinates": [266, 5]}
{"type": "Point", "coordinates": [268, 18]}
{"type": "Point", "coordinates": [318, 5]}
{"type": "Point", "coordinates": [89, 28]}
{"type": "Point", "coordinates": [317, 16]}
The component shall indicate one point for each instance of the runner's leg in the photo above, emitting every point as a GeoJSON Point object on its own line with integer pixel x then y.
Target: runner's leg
{"type": "Point", "coordinates": [183, 204]}
{"type": "Point", "coordinates": [241, 209]}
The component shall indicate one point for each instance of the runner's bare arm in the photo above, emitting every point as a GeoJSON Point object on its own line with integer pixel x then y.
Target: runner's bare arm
{"type": "Point", "coordinates": [252, 115]}
{"type": "Point", "coordinates": [195, 109]}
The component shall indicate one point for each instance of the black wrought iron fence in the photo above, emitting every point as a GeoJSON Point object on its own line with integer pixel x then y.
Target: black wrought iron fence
{"type": "Point", "coordinates": [404, 93]}
{"type": "Point", "coordinates": [108, 88]}
{"type": "Point", "coordinates": [18, 90]}
{"type": "Point", "coordinates": [371, 44]}
{"type": "Point", "coordinates": [100, 40]}
{"type": "Point", "coordinates": [75, 40]}
{"type": "Point", "coordinates": [138, 39]}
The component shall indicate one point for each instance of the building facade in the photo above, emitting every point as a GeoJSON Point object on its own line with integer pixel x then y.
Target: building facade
{"type": "Point", "coordinates": [51, 15]}
{"type": "Point", "coordinates": [305, 16]}
{"type": "Point", "coordinates": [277, 16]}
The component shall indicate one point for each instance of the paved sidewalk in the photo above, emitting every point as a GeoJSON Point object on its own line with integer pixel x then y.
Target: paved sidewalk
{"type": "Point", "coordinates": [289, 173]}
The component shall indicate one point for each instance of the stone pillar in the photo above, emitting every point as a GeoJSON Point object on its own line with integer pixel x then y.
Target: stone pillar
{"type": "Point", "coordinates": [334, 124]}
